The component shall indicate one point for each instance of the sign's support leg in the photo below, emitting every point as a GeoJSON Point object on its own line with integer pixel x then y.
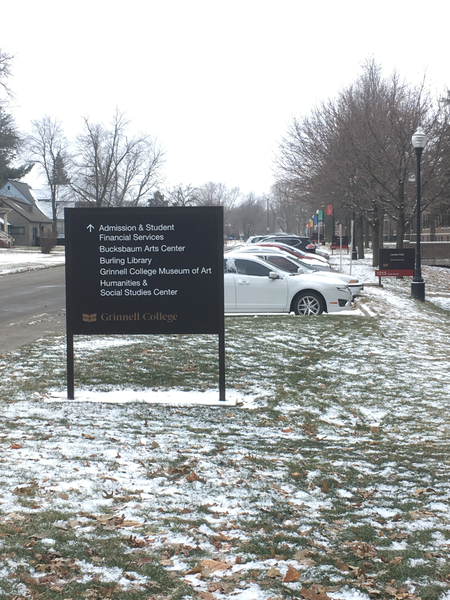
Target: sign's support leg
{"type": "Point", "coordinates": [222, 366]}
{"type": "Point", "coordinates": [70, 369]}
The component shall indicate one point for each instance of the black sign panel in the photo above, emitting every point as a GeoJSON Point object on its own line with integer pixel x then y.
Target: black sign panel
{"type": "Point", "coordinates": [144, 270]}
{"type": "Point", "coordinates": [337, 241]}
{"type": "Point", "coordinates": [396, 262]}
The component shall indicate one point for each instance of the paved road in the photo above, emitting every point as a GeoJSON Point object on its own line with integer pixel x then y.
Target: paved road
{"type": "Point", "coordinates": [32, 305]}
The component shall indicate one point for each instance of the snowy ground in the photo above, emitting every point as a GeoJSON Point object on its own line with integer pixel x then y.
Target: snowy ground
{"type": "Point", "coordinates": [28, 259]}
{"type": "Point", "coordinates": [328, 479]}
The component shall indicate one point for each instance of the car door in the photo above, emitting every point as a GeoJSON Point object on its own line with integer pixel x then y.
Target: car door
{"type": "Point", "coordinates": [229, 273]}
{"type": "Point", "coordinates": [256, 291]}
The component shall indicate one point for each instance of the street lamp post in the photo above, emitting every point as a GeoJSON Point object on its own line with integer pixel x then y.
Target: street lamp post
{"type": "Point", "coordinates": [419, 139]}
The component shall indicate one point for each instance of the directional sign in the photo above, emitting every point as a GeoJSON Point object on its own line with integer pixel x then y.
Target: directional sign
{"type": "Point", "coordinates": [396, 262]}
{"type": "Point", "coordinates": [144, 270]}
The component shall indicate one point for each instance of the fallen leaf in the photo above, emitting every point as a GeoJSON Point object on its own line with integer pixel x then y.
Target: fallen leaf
{"type": "Point", "coordinates": [272, 572]}
{"type": "Point", "coordinates": [194, 477]}
{"type": "Point", "coordinates": [15, 447]}
{"type": "Point", "coordinates": [291, 575]}
{"type": "Point", "coordinates": [25, 490]}
{"type": "Point", "coordinates": [302, 557]}
{"type": "Point", "coordinates": [214, 565]}
{"type": "Point", "coordinates": [145, 560]}
{"type": "Point", "coordinates": [88, 436]}
{"type": "Point", "coordinates": [166, 562]}
{"type": "Point", "coordinates": [315, 593]}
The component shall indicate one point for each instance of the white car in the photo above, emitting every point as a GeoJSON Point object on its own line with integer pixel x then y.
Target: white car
{"type": "Point", "coordinates": [313, 265]}
{"type": "Point", "coordinates": [253, 285]}
{"type": "Point", "coordinates": [313, 259]}
{"type": "Point", "coordinates": [293, 265]}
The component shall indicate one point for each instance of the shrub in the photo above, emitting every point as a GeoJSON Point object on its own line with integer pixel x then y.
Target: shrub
{"type": "Point", "coordinates": [47, 241]}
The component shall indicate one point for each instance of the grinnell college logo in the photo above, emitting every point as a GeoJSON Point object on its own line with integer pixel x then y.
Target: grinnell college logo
{"type": "Point", "coordinates": [89, 318]}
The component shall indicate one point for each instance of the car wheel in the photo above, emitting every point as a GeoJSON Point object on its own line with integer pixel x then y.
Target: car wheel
{"type": "Point", "coordinates": [308, 303]}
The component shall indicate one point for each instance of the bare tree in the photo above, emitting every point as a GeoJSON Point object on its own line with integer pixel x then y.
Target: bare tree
{"type": "Point", "coordinates": [217, 194]}
{"type": "Point", "coordinates": [292, 209]}
{"type": "Point", "coordinates": [182, 195]}
{"type": "Point", "coordinates": [248, 217]}
{"type": "Point", "coordinates": [5, 72]}
{"type": "Point", "coordinates": [48, 147]}
{"type": "Point", "coordinates": [112, 169]}
{"type": "Point", "coordinates": [355, 151]}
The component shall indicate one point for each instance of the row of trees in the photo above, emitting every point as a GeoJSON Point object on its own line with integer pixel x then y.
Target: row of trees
{"type": "Point", "coordinates": [355, 152]}
{"type": "Point", "coordinates": [104, 167]}
{"type": "Point", "coordinates": [107, 166]}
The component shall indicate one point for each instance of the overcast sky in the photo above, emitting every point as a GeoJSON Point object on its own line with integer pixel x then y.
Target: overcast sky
{"type": "Point", "coordinates": [215, 81]}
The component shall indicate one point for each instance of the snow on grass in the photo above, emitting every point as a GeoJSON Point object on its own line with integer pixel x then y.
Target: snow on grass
{"type": "Point", "coordinates": [332, 462]}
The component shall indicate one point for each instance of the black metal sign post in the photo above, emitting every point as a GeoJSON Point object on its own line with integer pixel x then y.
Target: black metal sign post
{"type": "Point", "coordinates": [143, 271]}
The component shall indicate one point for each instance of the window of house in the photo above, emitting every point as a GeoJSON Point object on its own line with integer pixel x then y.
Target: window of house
{"type": "Point", "coordinates": [17, 230]}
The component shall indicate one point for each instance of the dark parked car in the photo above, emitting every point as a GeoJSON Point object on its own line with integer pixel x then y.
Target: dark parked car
{"type": "Point", "coordinates": [297, 241]}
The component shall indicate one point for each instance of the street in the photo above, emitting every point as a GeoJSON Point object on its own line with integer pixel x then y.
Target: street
{"type": "Point", "coordinates": [32, 304]}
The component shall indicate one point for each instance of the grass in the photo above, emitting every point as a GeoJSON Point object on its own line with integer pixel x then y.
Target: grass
{"type": "Point", "coordinates": [340, 469]}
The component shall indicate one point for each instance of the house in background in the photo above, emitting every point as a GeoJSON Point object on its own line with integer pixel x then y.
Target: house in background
{"type": "Point", "coordinates": [43, 201]}
{"type": "Point", "coordinates": [20, 217]}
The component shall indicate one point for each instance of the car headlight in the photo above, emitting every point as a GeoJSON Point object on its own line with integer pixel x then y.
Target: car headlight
{"type": "Point", "coordinates": [343, 288]}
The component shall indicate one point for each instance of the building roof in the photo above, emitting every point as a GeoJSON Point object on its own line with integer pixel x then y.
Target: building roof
{"type": "Point", "coordinates": [22, 208]}
{"type": "Point", "coordinates": [17, 189]}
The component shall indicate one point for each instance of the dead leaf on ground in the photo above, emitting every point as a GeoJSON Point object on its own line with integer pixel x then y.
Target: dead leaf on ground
{"type": "Point", "coordinates": [303, 558]}
{"type": "Point", "coordinates": [25, 490]}
{"type": "Point", "coordinates": [291, 575]}
{"type": "Point", "coordinates": [315, 593]}
{"type": "Point", "coordinates": [194, 477]}
{"type": "Point", "coordinates": [214, 565]}
{"type": "Point", "coordinates": [166, 562]}
{"type": "Point", "coordinates": [272, 573]}
{"type": "Point", "coordinates": [145, 560]}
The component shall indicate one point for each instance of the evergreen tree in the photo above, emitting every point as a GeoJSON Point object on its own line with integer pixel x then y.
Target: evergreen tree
{"type": "Point", "coordinates": [10, 139]}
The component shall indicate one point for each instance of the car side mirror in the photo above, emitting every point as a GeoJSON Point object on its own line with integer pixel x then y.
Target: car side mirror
{"type": "Point", "coordinates": [273, 275]}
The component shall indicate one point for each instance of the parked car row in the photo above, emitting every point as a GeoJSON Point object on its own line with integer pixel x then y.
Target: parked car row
{"type": "Point", "coordinates": [252, 285]}
{"type": "Point", "coordinates": [271, 277]}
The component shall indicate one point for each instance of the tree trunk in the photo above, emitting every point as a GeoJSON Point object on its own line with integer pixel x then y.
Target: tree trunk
{"type": "Point", "coordinates": [432, 229]}
{"type": "Point", "coordinates": [401, 229]}
{"type": "Point", "coordinates": [360, 236]}
{"type": "Point", "coordinates": [381, 231]}
{"type": "Point", "coordinates": [375, 242]}
{"type": "Point", "coordinates": [367, 229]}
